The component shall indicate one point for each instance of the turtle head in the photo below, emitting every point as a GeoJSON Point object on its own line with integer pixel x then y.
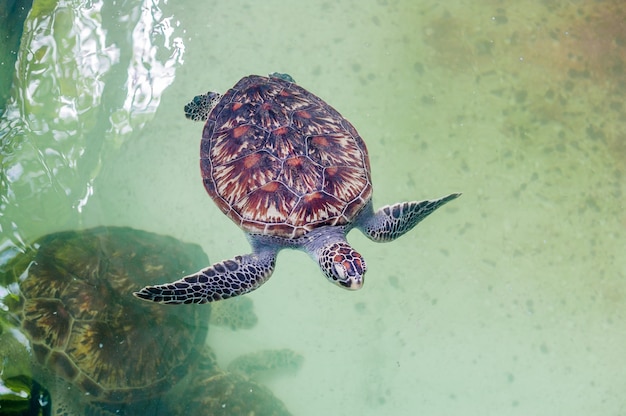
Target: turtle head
{"type": "Point", "coordinates": [342, 265]}
{"type": "Point", "coordinates": [199, 108]}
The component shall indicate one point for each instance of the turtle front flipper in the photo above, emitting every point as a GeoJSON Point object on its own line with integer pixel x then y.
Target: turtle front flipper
{"type": "Point", "coordinates": [222, 280]}
{"type": "Point", "coordinates": [392, 221]}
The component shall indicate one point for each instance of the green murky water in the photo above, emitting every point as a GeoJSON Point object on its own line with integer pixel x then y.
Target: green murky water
{"type": "Point", "coordinates": [511, 300]}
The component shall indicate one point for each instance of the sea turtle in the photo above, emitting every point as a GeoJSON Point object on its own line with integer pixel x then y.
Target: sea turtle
{"type": "Point", "coordinates": [213, 391]}
{"type": "Point", "coordinates": [101, 351]}
{"type": "Point", "coordinates": [292, 173]}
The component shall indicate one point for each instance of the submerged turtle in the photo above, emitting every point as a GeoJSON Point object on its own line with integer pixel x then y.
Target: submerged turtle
{"type": "Point", "coordinates": [101, 351]}
{"type": "Point", "coordinates": [292, 173]}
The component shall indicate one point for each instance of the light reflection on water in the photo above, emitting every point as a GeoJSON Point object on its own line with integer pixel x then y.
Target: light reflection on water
{"type": "Point", "coordinates": [89, 75]}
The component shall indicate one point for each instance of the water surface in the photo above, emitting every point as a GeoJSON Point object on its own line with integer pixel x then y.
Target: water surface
{"type": "Point", "coordinates": [510, 300]}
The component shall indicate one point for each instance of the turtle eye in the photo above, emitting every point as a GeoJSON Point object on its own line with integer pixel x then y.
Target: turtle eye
{"type": "Point", "coordinates": [339, 272]}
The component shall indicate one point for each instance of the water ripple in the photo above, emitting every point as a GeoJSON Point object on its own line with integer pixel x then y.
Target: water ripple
{"type": "Point", "coordinates": [89, 75]}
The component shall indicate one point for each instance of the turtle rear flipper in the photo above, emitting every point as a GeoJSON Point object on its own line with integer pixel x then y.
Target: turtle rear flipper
{"type": "Point", "coordinates": [213, 391]}
{"type": "Point", "coordinates": [393, 221]}
{"type": "Point", "coordinates": [234, 313]}
{"type": "Point", "coordinates": [267, 363]}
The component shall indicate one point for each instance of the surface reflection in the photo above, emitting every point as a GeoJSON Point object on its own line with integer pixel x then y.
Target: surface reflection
{"type": "Point", "coordinates": [66, 111]}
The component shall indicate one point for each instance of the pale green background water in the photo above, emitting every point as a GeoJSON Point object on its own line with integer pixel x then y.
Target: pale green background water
{"type": "Point", "coordinates": [508, 301]}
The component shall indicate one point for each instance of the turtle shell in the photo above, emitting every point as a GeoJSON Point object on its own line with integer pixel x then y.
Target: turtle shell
{"type": "Point", "coordinates": [76, 307]}
{"type": "Point", "coordinates": [280, 161]}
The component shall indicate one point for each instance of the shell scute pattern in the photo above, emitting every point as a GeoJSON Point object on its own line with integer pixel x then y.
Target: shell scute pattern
{"type": "Point", "coordinates": [344, 182]}
{"type": "Point", "coordinates": [317, 208]}
{"type": "Point", "coordinates": [257, 92]}
{"type": "Point", "coordinates": [238, 142]}
{"type": "Point", "coordinates": [317, 120]}
{"type": "Point", "coordinates": [271, 115]}
{"type": "Point", "coordinates": [301, 175]}
{"type": "Point", "coordinates": [332, 149]}
{"type": "Point", "coordinates": [294, 99]}
{"type": "Point", "coordinates": [274, 199]}
{"type": "Point", "coordinates": [285, 142]}
{"type": "Point", "coordinates": [246, 174]}
{"type": "Point", "coordinates": [280, 161]}
{"type": "Point", "coordinates": [43, 314]}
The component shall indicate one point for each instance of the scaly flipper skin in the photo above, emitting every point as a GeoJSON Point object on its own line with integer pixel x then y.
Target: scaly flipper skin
{"type": "Point", "coordinates": [222, 280]}
{"type": "Point", "coordinates": [392, 221]}
{"type": "Point", "coordinates": [198, 109]}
